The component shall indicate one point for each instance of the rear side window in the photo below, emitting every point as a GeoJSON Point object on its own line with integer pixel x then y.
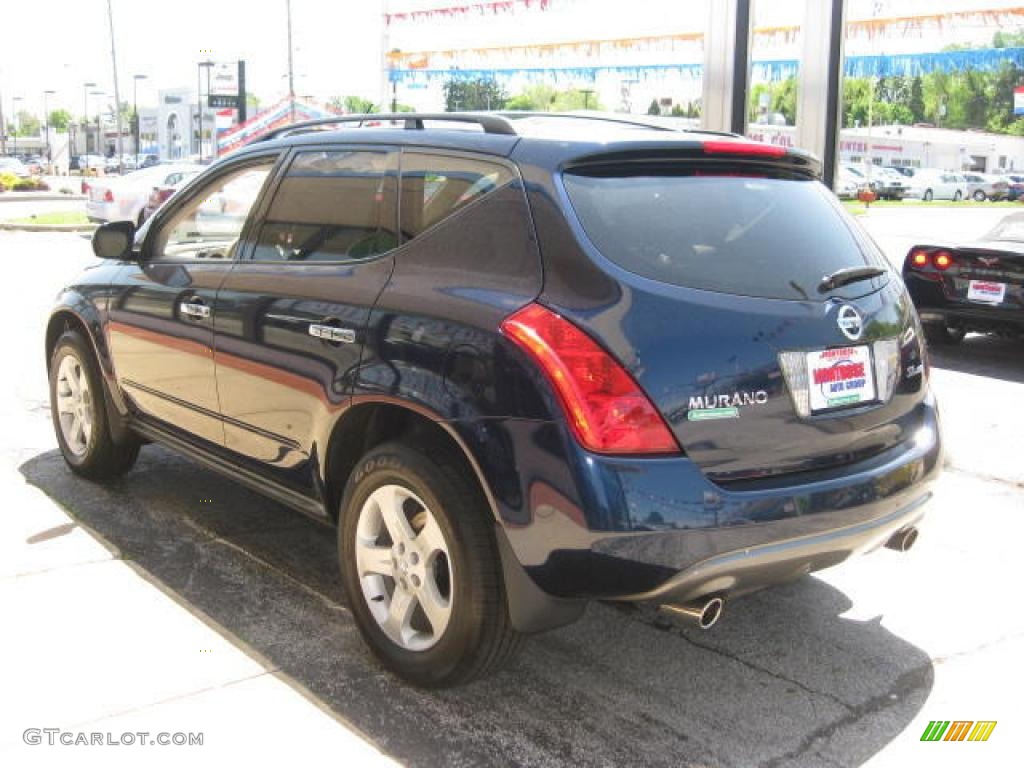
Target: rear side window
{"type": "Point", "coordinates": [774, 238]}
{"type": "Point", "coordinates": [434, 187]}
{"type": "Point", "coordinates": [332, 206]}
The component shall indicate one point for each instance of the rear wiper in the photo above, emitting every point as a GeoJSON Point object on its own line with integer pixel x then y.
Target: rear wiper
{"type": "Point", "coordinates": [848, 275]}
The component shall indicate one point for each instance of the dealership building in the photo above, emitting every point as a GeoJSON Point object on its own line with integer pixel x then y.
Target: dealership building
{"type": "Point", "coordinates": [915, 147]}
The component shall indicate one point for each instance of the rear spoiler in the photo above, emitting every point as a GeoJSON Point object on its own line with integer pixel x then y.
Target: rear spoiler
{"type": "Point", "coordinates": [717, 154]}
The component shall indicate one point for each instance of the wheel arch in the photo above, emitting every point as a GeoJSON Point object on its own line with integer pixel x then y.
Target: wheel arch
{"type": "Point", "coordinates": [370, 422]}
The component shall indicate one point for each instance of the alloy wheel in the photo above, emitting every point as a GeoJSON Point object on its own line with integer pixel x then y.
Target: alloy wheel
{"type": "Point", "coordinates": [75, 407]}
{"type": "Point", "coordinates": [404, 567]}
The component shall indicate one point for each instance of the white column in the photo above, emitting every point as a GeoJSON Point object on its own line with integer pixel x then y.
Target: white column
{"type": "Point", "coordinates": [820, 90]}
{"type": "Point", "coordinates": [726, 65]}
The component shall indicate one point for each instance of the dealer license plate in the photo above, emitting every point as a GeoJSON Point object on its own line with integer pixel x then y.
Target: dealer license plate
{"type": "Point", "coordinates": [986, 291]}
{"type": "Point", "coordinates": [840, 377]}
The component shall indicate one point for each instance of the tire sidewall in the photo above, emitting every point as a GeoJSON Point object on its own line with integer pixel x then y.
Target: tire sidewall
{"type": "Point", "coordinates": [395, 464]}
{"type": "Point", "coordinates": [72, 343]}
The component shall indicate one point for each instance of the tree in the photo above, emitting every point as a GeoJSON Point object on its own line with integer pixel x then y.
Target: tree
{"type": "Point", "coordinates": [60, 119]}
{"type": "Point", "coordinates": [352, 105]}
{"type": "Point", "coordinates": [26, 124]}
{"type": "Point", "coordinates": [916, 101]}
{"type": "Point", "coordinates": [655, 108]}
{"type": "Point", "coordinates": [781, 99]}
{"type": "Point", "coordinates": [479, 94]}
{"type": "Point", "coordinates": [544, 98]}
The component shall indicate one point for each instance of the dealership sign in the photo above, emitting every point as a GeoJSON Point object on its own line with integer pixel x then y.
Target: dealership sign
{"type": "Point", "coordinates": [224, 79]}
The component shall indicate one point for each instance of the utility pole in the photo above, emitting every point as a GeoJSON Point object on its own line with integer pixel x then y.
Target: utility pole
{"type": "Point", "coordinates": [207, 65]}
{"type": "Point", "coordinates": [135, 111]}
{"type": "Point", "coordinates": [3, 128]}
{"type": "Point", "coordinates": [117, 92]}
{"type": "Point", "coordinates": [17, 121]}
{"type": "Point", "coordinates": [85, 111]}
{"type": "Point", "coordinates": [46, 122]}
{"type": "Point", "coordinates": [291, 70]}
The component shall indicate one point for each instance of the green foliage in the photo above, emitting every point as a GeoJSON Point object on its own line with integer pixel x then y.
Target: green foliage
{"type": "Point", "coordinates": [1008, 39]}
{"type": "Point", "coordinates": [781, 99]}
{"type": "Point", "coordinates": [655, 108]}
{"type": "Point", "coordinates": [26, 124]}
{"type": "Point", "coordinates": [353, 105]}
{"type": "Point", "coordinates": [544, 98]}
{"type": "Point", "coordinates": [480, 94]}
{"type": "Point", "coordinates": [8, 180]}
{"type": "Point", "coordinates": [960, 100]}
{"type": "Point", "coordinates": [60, 119]}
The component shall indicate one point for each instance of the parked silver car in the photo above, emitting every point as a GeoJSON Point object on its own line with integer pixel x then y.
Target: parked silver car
{"type": "Point", "coordinates": [985, 186]}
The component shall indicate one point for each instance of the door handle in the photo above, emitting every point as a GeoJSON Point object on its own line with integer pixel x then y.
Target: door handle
{"type": "Point", "coordinates": [332, 333]}
{"type": "Point", "coordinates": [194, 309]}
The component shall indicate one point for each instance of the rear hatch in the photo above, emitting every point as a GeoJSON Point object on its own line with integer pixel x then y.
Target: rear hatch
{"type": "Point", "coordinates": [723, 319]}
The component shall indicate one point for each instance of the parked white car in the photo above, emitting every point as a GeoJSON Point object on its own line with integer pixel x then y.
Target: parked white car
{"type": "Point", "coordinates": [848, 183]}
{"type": "Point", "coordinates": [930, 184]}
{"type": "Point", "coordinates": [124, 198]}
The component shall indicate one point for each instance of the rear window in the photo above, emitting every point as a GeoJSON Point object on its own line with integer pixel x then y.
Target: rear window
{"type": "Point", "coordinates": [774, 238]}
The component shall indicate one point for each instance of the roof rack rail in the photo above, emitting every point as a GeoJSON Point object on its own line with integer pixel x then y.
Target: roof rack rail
{"type": "Point", "coordinates": [640, 121]}
{"type": "Point", "coordinates": [413, 121]}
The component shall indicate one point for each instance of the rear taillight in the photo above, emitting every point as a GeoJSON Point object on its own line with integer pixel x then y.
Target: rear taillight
{"type": "Point", "coordinates": [732, 147]}
{"type": "Point", "coordinates": [606, 409]}
{"type": "Point", "coordinates": [85, 188]}
{"type": "Point", "coordinates": [108, 196]}
{"type": "Point", "coordinates": [921, 259]}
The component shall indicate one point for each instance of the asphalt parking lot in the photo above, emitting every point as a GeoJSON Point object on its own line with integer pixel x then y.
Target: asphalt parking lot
{"type": "Point", "coordinates": [176, 600]}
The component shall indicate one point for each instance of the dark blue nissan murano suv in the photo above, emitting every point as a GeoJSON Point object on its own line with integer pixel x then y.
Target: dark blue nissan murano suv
{"type": "Point", "coordinates": [521, 362]}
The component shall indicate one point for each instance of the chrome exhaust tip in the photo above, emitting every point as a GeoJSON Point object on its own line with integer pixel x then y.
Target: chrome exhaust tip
{"type": "Point", "coordinates": [703, 614]}
{"type": "Point", "coordinates": [903, 540]}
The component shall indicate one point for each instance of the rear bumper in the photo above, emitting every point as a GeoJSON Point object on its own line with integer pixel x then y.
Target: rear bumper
{"type": "Point", "coordinates": [782, 560]}
{"type": "Point", "coordinates": [675, 536]}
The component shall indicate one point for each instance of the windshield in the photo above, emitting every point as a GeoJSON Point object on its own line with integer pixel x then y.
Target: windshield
{"type": "Point", "coordinates": [1010, 229]}
{"type": "Point", "coordinates": [765, 237]}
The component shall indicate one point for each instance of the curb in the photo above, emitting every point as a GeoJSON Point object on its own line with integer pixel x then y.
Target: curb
{"type": "Point", "coordinates": [7, 226]}
{"type": "Point", "coordinates": [28, 197]}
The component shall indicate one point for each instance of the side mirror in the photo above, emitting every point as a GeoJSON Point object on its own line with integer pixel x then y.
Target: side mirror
{"type": "Point", "coordinates": [114, 240]}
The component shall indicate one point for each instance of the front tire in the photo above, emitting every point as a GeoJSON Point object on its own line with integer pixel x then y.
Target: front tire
{"type": "Point", "coordinates": [957, 197]}
{"type": "Point", "coordinates": [78, 408]}
{"type": "Point", "coordinates": [927, 196]}
{"type": "Point", "coordinates": [421, 568]}
{"type": "Point", "coordinates": [979, 196]}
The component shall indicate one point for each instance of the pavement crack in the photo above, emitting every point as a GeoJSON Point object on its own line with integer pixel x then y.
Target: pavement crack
{"type": "Point", "coordinates": [912, 680]}
{"type": "Point", "coordinates": [763, 670]}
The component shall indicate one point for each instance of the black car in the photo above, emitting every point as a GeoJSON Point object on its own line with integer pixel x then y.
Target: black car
{"type": "Point", "coordinates": [542, 361]}
{"type": "Point", "coordinates": [977, 286]}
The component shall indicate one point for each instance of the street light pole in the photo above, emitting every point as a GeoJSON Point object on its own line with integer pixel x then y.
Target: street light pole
{"type": "Point", "coordinates": [135, 110]}
{"type": "Point", "coordinates": [99, 115]}
{"type": "Point", "coordinates": [291, 71]}
{"type": "Point", "coordinates": [117, 91]}
{"type": "Point", "coordinates": [17, 121]}
{"type": "Point", "coordinates": [85, 111]}
{"type": "Point", "coordinates": [202, 105]}
{"type": "Point", "coordinates": [46, 123]}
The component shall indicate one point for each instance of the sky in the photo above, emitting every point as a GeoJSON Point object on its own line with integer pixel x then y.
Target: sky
{"type": "Point", "coordinates": [337, 43]}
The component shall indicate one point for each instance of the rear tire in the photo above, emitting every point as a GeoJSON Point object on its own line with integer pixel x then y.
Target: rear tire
{"type": "Point", "coordinates": [927, 196]}
{"type": "Point", "coordinates": [957, 197]}
{"type": "Point", "coordinates": [979, 196]}
{"type": "Point", "coordinates": [80, 420]}
{"type": "Point", "coordinates": [944, 334]}
{"type": "Point", "coordinates": [421, 568]}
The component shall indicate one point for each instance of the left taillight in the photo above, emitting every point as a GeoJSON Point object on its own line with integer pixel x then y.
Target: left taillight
{"type": "Point", "coordinates": [606, 409]}
{"type": "Point", "coordinates": [108, 196]}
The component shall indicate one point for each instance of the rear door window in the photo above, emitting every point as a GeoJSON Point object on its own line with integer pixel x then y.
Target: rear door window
{"type": "Point", "coordinates": [767, 237]}
{"type": "Point", "coordinates": [337, 205]}
{"type": "Point", "coordinates": [436, 186]}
